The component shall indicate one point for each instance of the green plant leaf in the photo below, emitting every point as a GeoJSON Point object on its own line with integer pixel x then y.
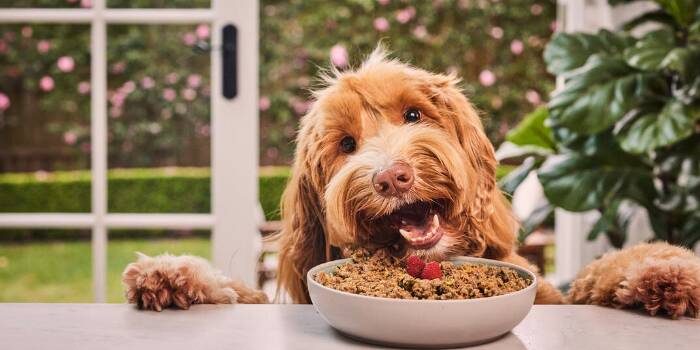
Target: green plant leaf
{"type": "Point", "coordinates": [533, 131]}
{"type": "Point", "coordinates": [650, 51]}
{"type": "Point", "coordinates": [600, 94]}
{"type": "Point", "coordinates": [694, 31]}
{"type": "Point", "coordinates": [682, 10]}
{"type": "Point", "coordinates": [653, 128]}
{"type": "Point", "coordinates": [691, 230]}
{"type": "Point", "coordinates": [535, 220]}
{"type": "Point", "coordinates": [683, 60]}
{"type": "Point", "coordinates": [510, 182]}
{"type": "Point", "coordinates": [579, 183]}
{"type": "Point", "coordinates": [566, 52]}
{"type": "Point", "coordinates": [613, 222]}
{"type": "Point", "coordinates": [657, 16]}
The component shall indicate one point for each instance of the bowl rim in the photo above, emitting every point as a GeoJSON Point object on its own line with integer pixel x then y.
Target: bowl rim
{"type": "Point", "coordinates": [533, 284]}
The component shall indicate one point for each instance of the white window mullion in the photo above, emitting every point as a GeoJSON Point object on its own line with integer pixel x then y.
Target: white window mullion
{"type": "Point", "coordinates": [98, 140]}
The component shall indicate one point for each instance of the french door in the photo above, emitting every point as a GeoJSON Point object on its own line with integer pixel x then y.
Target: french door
{"type": "Point", "coordinates": [233, 131]}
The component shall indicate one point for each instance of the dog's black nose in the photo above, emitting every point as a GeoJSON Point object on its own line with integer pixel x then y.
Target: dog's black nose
{"type": "Point", "coordinates": [394, 180]}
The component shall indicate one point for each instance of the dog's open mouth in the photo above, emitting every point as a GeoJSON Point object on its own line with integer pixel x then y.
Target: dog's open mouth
{"type": "Point", "coordinates": [418, 223]}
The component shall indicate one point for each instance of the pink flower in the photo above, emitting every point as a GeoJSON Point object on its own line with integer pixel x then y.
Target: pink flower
{"type": "Point", "coordinates": [381, 24]}
{"type": "Point", "coordinates": [65, 64]}
{"type": "Point", "coordinates": [188, 94]}
{"type": "Point", "coordinates": [4, 102]}
{"type": "Point", "coordinates": [339, 56]}
{"type": "Point", "coordinates": [85, 3]}
{"type": "Point", "coordinates": [27, 31]}
{"type": "Point", "coordinates": [3, 46]}
{"type": "Point", "coordinates": [264, 103]}
{"type": "Point", "coordinates": [117, 99]}
{"type": "Point", "coordinates": [516, 47]}
{"type": "Point", "coordinates": [554, 26]}
{"type": "Point", "coordinates": [119, 67]}
{"type": "Point", "coordinates": [496, 32]}
{"type": "Point", "coordinates": [194, 80]}
{"type": "Point", "coordinates": [487, 78]}
{"type": "Point", "coordinates": [166, 113]}
{"type": "Point", "coordinates": [204, 130]}
{"type": "Point", "coordinates": [420, 32]}
{"type": "Point", "coordinates": [148, 83]}
{"type": "Point", "coordinates": [69, 137]}
{"type": "Point", "coordinates": [536, 9]}
{"type": "Point", "coordinates": [496, 102]}
{"type": "Point", "coordinates": [115, 112]}
{"type": "Point", "coordinates": [383, 2]}
{"type": "Point", "coordinates": [532, 96]}
{"type": "Point", "coordinates": [405, 15]}
{"type": "Point", "coordinates": [41, 175]}
{"type": "Point", "coordinates": [128, 87]}
{"type": "Point", "coordinates": [46, 83]}
{"type": "Point", "coordinates": [202, 31]}
{"type": "Point", "coordinates": [301, 107]}
{"type": "Point", "coordinates": [171, 78]}
{"type": "Point", "coordinates": [43, 46]}
{"type": "Point", "coordinates": [189, 38]}
{"type": "Point", "coordinates": [84, 87]}
{"type": "Point", "coordinates": [169, 94]}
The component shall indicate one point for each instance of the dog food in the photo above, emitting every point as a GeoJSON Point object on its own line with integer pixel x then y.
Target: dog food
{"type": "Point", "coordinates": [387, 277]}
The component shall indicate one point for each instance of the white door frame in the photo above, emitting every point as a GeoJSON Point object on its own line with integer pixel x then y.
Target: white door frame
{"type": "Point", "coordinates": [234, 140]}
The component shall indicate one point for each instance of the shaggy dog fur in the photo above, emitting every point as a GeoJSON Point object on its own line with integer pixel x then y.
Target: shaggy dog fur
{"type": "Point", "coordinates": [358, 127]}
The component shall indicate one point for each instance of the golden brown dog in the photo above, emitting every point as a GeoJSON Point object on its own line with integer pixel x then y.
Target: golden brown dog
{"type": "Point", "coordinates": [395, 159]}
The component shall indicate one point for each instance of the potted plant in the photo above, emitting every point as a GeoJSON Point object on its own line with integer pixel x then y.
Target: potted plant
{"type": "Point", "coordinates": [623, 129]}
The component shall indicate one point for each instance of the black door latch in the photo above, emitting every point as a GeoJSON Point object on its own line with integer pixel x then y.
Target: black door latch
{"type": "Point", "coordinates": [229, 60]}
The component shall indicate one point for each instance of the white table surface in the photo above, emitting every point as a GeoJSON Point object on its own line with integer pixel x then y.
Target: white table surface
{"type": "Point", "coordinates": [114, 326]}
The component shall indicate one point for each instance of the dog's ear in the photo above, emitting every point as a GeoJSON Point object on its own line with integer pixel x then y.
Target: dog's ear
{"type": "Point", "coordinates": [487, 208]}
{"type": "Point", "coordinates": [302, 240]}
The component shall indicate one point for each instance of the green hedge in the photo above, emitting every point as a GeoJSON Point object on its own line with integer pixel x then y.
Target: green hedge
{"type": "Point", "coordinates": [156, 190]}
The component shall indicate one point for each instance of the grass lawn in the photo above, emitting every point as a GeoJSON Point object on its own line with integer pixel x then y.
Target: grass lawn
{"type": "Point", "coordinates": [62, 272]}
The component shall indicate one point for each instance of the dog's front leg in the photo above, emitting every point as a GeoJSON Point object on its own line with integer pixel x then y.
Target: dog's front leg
{"type": "Point", "coordinates": [154, 283]}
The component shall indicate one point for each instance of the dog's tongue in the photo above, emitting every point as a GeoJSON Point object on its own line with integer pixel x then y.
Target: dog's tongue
{"type": "Point", "coordinates": [426, 234]}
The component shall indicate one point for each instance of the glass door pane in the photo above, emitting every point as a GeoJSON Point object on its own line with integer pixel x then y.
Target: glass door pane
{"type": "Point", "coordinates": [45, 266]}
{"type": "Point", "coordinates": [44, 118]}
{"type": "Point", "coordinates": [159, 119]}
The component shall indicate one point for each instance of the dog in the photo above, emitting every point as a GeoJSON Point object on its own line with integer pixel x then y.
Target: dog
{"type": "Point", "coordinates": [394, 159]}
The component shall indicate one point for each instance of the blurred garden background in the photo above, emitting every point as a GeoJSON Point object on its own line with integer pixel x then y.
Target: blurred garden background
{"type": "Point", "coordinates": [159, 119]}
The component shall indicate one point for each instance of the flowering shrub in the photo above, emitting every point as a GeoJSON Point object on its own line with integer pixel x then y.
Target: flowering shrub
{"type": "Point", "coordinates": [158, 103]}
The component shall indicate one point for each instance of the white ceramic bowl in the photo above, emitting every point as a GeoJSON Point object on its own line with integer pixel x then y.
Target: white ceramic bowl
{"type": "Point", "coordinates": [422, 323]}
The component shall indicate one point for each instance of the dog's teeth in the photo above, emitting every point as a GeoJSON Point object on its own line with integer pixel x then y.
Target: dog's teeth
{"type": "Point", "coordinates": [430, 234]}
{"type": "Point", "coordinates": [403, 222]}
{"type": "Point", "coordinates": [405, 234]}
{"type": "Point", "coordinates": [436, 221]}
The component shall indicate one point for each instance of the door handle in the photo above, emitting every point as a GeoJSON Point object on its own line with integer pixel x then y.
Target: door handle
{"type": "Point", "coordinates": [229, 60]}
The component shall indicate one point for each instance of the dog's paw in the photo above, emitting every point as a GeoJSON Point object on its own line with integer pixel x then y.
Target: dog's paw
{"type": "Point", "coordinates": [155, 283]}
{"type": "Point", "coordinates": [147, 288]}
{"type": "Point", "coordinates": [670, 286]}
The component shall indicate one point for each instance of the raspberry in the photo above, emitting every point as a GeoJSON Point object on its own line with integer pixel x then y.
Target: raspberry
{"type": "Point", "coordinates": [414, 266]}
{"type": "Point", "coordinates": [431, 271]}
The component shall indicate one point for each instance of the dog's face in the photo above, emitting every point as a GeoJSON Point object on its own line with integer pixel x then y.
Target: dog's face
{"type": "Point", "coordinates": [398, 160]}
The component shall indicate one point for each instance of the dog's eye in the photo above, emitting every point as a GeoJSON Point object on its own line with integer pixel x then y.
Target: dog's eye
{"type": "Point", "coordinates": [411, 115]}
{"type": "Point", "coordinates": [348, 144]}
